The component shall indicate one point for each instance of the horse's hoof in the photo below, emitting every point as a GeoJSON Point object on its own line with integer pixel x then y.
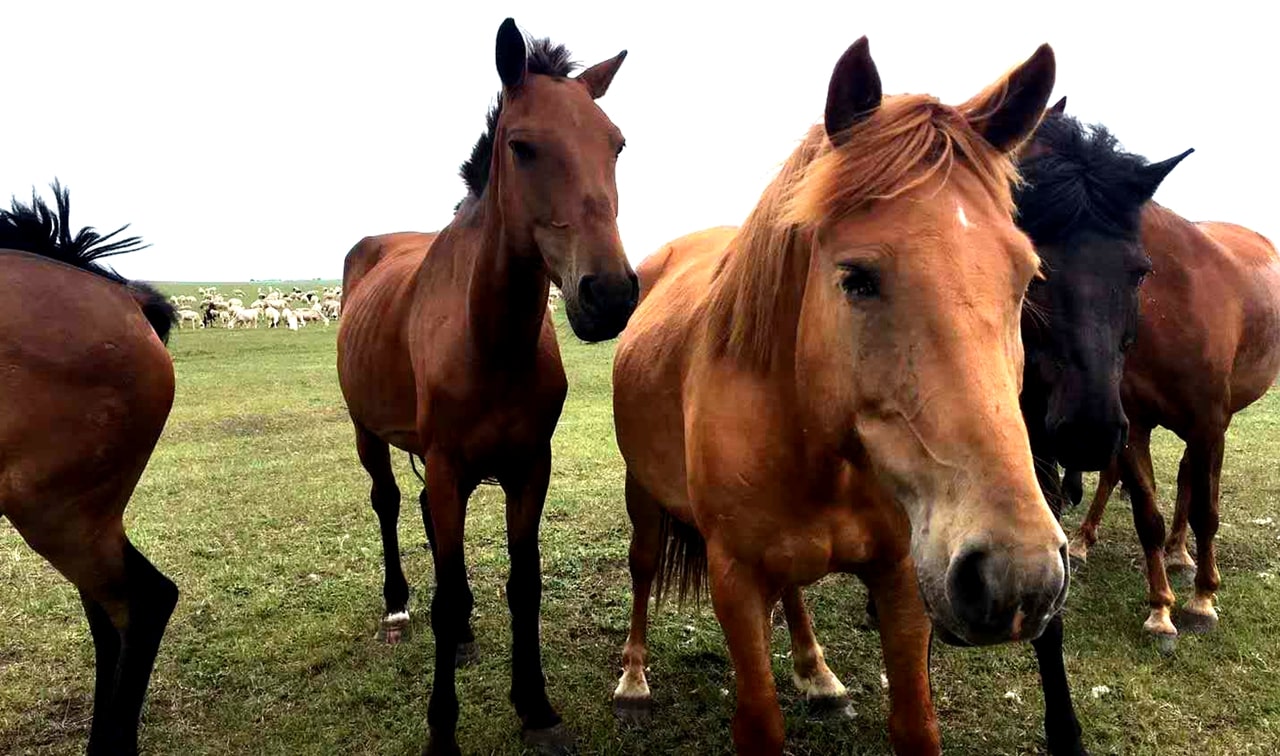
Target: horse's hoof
{"type": "Point", "coordinates": [831, 707]}
{"type": "Point", "coordinates": [439, 748]}
{"type": "Point", "coordinates": [1195, 622]}
{"type": "Point", "coordinates": [466, 655]}
{"type": "Point", "coordinates": [633, 711]}
{"type": "Point", "coordinates": [551, 741]}
{"type": "Point", "coordinates": [394, 628]}
{"type": "Point", "coordinates": [1077, 551]}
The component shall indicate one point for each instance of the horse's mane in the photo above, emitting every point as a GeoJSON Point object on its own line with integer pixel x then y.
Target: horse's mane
{"type": "Point", "coordinates": [544, 57]}
{"type": "Point", "coordinates": [40, 230]}
{"type": "Point", "coordinates": [1083, 181]}
{"type": "Point", "coordinates": [908, 141]}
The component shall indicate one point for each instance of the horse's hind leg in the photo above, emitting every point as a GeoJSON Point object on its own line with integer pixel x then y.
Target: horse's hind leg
{"type": "Point", "coordinates": [1176, 557]}
{"type": "Point", "coordinates": [631, 699]}
{"type": "Point", "coordinates": [821, 688]}
{"type": "Point", "coordinates": [1087, 534]}
{"type": "Point", "coordinates": [375, 455]}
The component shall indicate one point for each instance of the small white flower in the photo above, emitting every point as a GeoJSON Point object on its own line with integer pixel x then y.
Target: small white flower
{"type": "Point", "coordinates": [884, 681]}
{"type": "Point", "coordinates": [724, 691]}
{"type": "Point", "coordinates": [1262, 521]}
{"type": "Point", "coordinates": [1099, 691]}
{"type": "Point", "coordinates": [1013, 696]}
{"type": "Point", "coordinates": [1266, 576]}
{"type": "Point", "coordinates": [313, 577]}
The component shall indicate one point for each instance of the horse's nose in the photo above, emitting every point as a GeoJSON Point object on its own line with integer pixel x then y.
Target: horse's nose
{"type": "Point", "coordinates": [608, 301]}
{"type": "Point", "coordinates": [999, 595]}
{"type": "Point", "coordinates": [1089, 443]}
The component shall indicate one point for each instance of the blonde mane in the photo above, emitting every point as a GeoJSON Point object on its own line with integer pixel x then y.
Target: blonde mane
{"type": "Point", "coordinates": [907, 142]}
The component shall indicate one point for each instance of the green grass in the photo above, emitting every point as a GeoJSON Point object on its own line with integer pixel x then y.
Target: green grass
{"type": "Point", "coordinates": [255, 505]}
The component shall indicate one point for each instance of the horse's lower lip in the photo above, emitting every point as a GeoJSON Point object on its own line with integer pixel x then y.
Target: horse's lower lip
{"type": "Point", "coordinates": [949, 638]}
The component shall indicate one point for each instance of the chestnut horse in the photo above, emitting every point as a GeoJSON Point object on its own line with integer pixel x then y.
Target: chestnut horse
{"type": "Point", "coordinates": [1208, 346]}
{"type": "Point", "coordinates": [834, 387]}
{"type": "Point", "coordinates": [85, 391]}
{"type": "Point", "coordinates": [445, 349]}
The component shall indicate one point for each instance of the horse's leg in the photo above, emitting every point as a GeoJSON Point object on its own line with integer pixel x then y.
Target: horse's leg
{"type": "Point", "coordinates": [127, 602]}
{"type": "Point", "coordinates": [452, 602]}
{"type": "Point", "coordinates": [1205, 454]}
{"type": "Point", "coordinates": [821, 688]}
{"type": "Point", "coordinates": [1087, 534]}
{"type": "Point", "coordinates": [526, 493]}
{"type": "Point", "coordinates": [742, 608]}
{"type": "Point", "coordinates": [631, 699]}
{"type": "Point", "coordinates": [1175, 548]}
{"type": "Point", "coordinates": [467, 651]}
{"type": "Point", "coordinates": [375, 455]}
{"type": "Point", "coordinates": [1139, 478]}
{"type": "Point", "coordinates": [904, 641]}
{"type": "Point", "coordinates": [1061, 728]}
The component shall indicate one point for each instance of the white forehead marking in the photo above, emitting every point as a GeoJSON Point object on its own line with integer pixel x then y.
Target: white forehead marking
{"type": "Point", "coordinates": [964, 221]}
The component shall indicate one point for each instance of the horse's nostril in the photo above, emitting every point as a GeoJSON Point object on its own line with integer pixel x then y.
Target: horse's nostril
{"type": "Point", "coordinates": [968, 584]}
{"type": "Point", "coordinates": [586, 296]}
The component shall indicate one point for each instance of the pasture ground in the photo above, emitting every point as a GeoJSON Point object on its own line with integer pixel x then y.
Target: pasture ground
{"type": "Point", "coordinates": [255, 505]}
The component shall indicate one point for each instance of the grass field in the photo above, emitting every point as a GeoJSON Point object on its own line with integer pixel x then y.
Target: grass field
{"type": "Point", "coordinates": [255, 505]}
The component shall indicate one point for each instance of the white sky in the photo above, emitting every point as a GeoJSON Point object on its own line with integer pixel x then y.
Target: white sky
{"type": "Point", "coordinates": [262, 139]}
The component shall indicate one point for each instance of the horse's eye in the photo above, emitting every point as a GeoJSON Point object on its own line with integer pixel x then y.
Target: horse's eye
{"type": "Point", "coordinates": [523, 151]}
{"type": "Point", "coordinates": [859, 282]}
{"type": "Point", "coordinates": [1137, 277]}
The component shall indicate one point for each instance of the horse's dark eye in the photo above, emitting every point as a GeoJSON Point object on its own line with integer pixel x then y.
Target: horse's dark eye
{"type": "Point", "coordinates": [523, 151]}
{"type": "Point", "coordinates": [1137, 277]}
{"type": "Point", "coordinates": [859, 282]}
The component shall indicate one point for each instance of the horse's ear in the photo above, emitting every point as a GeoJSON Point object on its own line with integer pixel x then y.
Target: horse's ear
{"type": "Point", "coordinates": [1059, 107]}
{"type": "Point", "coordinates": [512, 57]}
{"type": "Point", "coordinates": [1152, 174]}
{"type": "Point", "coordinates": [1006, 112]}
{"type": "Point", "coordinates": [600, 76]}
{"type": "Point", "coordinates": [854, 92]}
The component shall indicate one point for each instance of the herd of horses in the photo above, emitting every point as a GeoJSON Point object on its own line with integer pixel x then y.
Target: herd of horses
{"type": "Point", "coordinates": [933, 321]}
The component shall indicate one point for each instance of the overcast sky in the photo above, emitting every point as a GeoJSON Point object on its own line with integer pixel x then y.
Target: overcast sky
{"type": "Point", "coordinates": [263, 139]}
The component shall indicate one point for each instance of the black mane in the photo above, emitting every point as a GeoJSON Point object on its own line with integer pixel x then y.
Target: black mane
{"type": "Point", "coordinates": [40, 230]}
{"type": "Point", "coordinates": [544, 58]}
{"type": "Point", "coordinates": [1083, 181]}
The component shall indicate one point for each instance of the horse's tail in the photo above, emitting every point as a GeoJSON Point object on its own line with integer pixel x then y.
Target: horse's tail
{"type": "Point", "coordinates": [682, 560]}
{"type": "Point", "coordinates": [158, 310]}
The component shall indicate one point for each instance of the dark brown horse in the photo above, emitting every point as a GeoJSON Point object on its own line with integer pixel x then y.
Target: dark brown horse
{"type": "Point", "coordinates": [446, 351]}
{"type": "Point", "coordinates": [85, 389]}
{"type": "Point", "coordinates": [1208, 346]}
{"type": "Point", "coordinates": [834, 387]}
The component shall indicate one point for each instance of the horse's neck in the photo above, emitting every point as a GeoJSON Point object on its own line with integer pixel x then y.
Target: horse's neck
{"type": "Point", "coordinates": [507, 290]}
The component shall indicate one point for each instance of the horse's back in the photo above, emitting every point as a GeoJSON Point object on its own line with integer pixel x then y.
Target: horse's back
{"type": "Point", "coordinates": [374, 368]}
{"type": "Point", "coordinates": [652, 358]}
{"type": "Point", "coordinates": [92, 384]}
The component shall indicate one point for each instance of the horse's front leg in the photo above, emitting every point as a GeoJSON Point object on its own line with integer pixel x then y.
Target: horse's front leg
{"type": "Point", "coordinates": [526, 491]}
{"type": "Point", "coordinates": [821, 688]}
{"type": "Point", "coordinates": [739, 596]}
{"type": "Point", "coordinates": [904, 640]}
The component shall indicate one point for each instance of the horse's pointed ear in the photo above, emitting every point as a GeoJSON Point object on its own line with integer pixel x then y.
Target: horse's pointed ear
{"type": "Point", "coordinates": [854, 91]}
{"type": "Point", "coordinates": [1060, 106]}
{"type": "Point", "coordinates": [1006, 112]}
{"type": "Point", "coordinates": [1153, 174]}
{"type": "Point", "coordinates": [600, 76]}
{"type": "Point", "coordinates": [512, 57]}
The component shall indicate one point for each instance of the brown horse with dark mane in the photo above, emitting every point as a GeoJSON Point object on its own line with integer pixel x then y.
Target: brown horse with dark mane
{"type": "Point", "coordinates": [447, 352]}
{"type": "Point", "coordinates": [834, 387]}
{"type": "Point", "coordinates": [85, 390]}
{"type": "Point", "coordinates": [1208, 346]}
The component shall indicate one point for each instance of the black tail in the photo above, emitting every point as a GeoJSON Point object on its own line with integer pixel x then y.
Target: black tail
{"type": "Point", "coordinates": [682, 561]}
{"type": "Point", "coordinates": [40, 230]}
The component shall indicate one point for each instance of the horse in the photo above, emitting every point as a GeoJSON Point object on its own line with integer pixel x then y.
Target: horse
{"type": "Point", "coordinates": [1079, 201]}
{"type": "Point", "coordinates": [445, 350]}
{"type": "Point", "coordinates": [1208, 346]}
{"type": "Point", "coordinates": [834, 387]}
{"type": "Point", "coordinates": [84, 397]}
